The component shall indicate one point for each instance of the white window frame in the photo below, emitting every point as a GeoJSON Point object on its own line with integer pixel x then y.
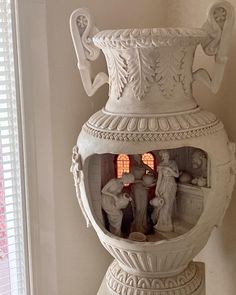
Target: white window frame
{"type": "Point", "coordinates": [35, 109]}
{"type": "Point", "coordinates": [14, 261]}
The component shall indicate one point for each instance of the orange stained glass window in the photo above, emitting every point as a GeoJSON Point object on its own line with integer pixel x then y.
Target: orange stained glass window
{"type": "Point", "coordinates": [148, 159]}
{"type": "Point", "coordinates": [123, 164]}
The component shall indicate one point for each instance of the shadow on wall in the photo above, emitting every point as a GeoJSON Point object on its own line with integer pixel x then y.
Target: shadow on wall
{"type": "Point", "coordinates": [228, 242]}
{"type": "Point", "coordinates": [220, 253]}
{"type": "Point", "coordinates": [219, 256]}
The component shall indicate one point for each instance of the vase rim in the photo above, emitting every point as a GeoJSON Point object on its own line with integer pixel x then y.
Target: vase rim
{"type": "Point", "coordinates": [149, 37]}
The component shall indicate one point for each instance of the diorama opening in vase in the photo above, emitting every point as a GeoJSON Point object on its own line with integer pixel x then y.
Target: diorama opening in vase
{"type": "Point", "coordinates": [131, 197]}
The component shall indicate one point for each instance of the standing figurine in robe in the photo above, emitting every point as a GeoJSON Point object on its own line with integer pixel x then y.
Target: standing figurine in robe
{"type": "Point", "coordinates": [113, 201]}
{"type": "Point", "coordinates": [140, 192]}
{"type": "Point", "coordinates": [166, 189]}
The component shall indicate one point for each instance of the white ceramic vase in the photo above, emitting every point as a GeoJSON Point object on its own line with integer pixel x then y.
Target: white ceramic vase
{"type": "Point", "coordinates": [151, 107]}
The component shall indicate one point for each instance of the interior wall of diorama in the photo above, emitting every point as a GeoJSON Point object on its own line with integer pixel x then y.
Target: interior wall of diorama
{"type": "Point", "coordinates": [60, 107]}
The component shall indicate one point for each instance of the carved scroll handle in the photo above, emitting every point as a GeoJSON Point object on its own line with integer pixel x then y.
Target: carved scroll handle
{"type": "Point", "coordinates": [219, 26]}
{"type": "Point", "coordinates": [82, 31]}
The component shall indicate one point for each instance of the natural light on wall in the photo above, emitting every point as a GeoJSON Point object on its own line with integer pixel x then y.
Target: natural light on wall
{"type": "Point", "coordinates": [12, 259]}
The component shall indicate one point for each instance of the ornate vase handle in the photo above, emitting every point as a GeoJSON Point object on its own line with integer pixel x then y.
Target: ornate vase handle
{"type": "Point", "coordinates": [219, 26]}
{"type": "Point", "coordinates": [82, 31]}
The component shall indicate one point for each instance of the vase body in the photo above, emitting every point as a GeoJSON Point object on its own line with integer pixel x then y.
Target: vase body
{"type": "Point", "coordinates": [151, 107]}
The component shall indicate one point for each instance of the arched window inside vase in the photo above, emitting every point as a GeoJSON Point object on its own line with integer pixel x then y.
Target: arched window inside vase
{"type": "Point", "coordinates": [149, 160]}
{"type": "Point", "coordinates": [122, 165]}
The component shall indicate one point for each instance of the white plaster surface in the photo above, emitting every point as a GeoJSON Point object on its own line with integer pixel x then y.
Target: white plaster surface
{"type": "Point", "coordinates": [105, 290]}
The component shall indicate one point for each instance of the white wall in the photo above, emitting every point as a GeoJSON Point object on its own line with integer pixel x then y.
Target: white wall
{"type": "Point", "coordinates": [38, 144]}
{"type": "Point", "coordinates": [70, 255]}
{"type": "Point", "coordinates": [220, 252]}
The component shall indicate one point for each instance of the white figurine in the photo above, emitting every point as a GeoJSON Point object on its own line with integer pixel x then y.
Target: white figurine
{"type": "Point", "coordinates": [166, 190]}
{"type": "Point", "coordinates": [113, 200]}
{"type": "Point", "coordinates": [140, 192]}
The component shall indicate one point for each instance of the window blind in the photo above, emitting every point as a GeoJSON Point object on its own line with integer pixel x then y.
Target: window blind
{"type": "Point", "coordinates": [12, 258]}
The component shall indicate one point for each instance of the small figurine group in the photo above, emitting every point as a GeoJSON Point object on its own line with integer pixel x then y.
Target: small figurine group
{"type": "Point", "coordinates": [198, 174]}
{"type": "Point", "coordinates": [142, 178]}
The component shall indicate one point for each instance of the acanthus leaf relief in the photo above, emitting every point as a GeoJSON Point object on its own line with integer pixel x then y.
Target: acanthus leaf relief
{"type": "Point", "coordinates": [186, 77]}
{"type": "Point", "coordinates": [168, 69]}
{"type": "Point", "coordinates": [141, 69]}
{"type": "Point", "coordinates": [117, 69]}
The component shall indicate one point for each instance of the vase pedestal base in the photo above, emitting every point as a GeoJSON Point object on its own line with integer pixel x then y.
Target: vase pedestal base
{"type": "Point", "coordinates": [191, 281]}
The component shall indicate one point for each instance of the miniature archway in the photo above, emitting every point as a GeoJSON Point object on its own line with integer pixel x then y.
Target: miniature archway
{"type": "Point", "coordinates": [122, 164]}
{"type": "Point", "coordinates": [149, 160]}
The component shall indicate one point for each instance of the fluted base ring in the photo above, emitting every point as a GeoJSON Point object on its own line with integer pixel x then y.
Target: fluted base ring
{"type": "Point", "coordinates": [189, 282]}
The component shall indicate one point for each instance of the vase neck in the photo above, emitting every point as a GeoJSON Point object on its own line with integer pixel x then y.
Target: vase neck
{"type": "Point", "coordinates": [150, 80]}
